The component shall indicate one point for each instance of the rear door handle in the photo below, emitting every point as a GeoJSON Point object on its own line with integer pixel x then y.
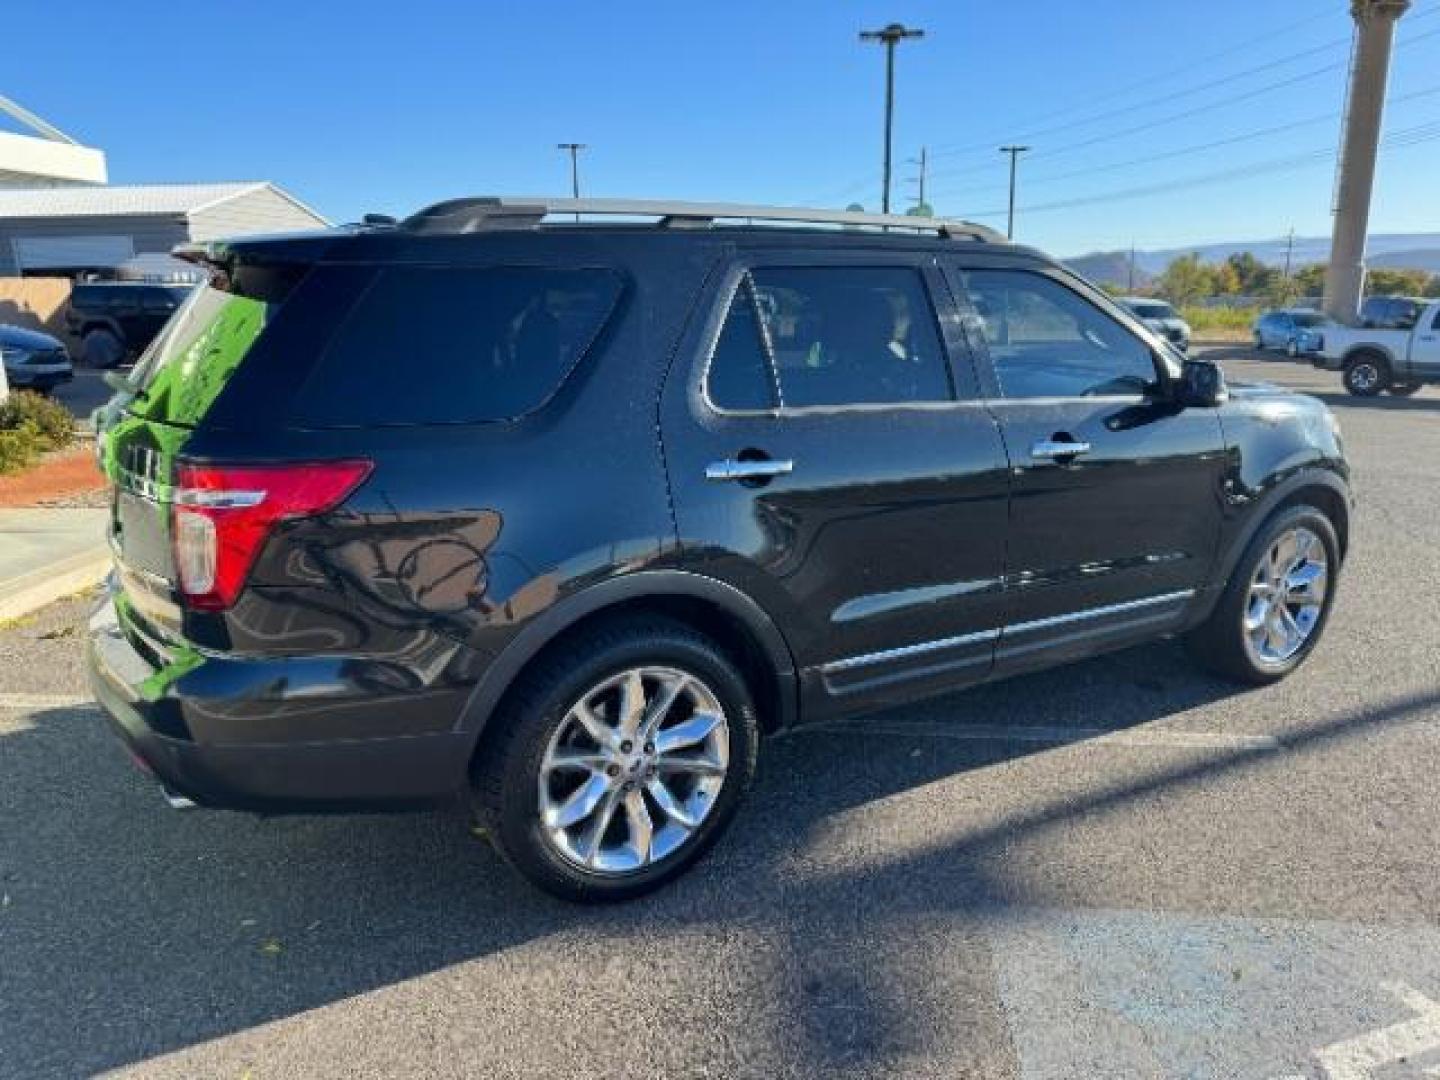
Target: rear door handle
{"type": "Point", "coordinates": [1049, 449]}
{"type": "Point", "coordinates": [761, 469]}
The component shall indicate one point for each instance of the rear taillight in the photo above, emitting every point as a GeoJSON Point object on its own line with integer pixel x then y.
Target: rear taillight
{"type": "Point", "coordinates": [222, 516]}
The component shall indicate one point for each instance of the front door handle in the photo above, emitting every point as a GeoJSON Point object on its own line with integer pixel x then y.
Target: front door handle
{"type": "Point", "coordinates": [1051, 449]}
{"type": "Point", "coordinates": [759, 469]}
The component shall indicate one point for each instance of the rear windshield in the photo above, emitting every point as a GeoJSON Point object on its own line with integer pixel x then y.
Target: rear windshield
{"type": "Point", "coordinates": [202, 344]}
{"type": "Point", "coordinates": [428, 345]}
{"type": "Point", "coordinates": [1308, 318]}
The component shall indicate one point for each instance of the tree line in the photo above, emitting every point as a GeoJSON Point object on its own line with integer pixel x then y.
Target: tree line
{"type": "Point", "coordinates": [1187, 280]}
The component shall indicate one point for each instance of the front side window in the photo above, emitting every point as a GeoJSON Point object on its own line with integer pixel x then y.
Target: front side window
{"type": "Point", "coordinates": [1046, 340]}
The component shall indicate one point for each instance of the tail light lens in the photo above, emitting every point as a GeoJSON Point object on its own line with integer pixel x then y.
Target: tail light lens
{"type": "Point", "coordinates": [222, 516]}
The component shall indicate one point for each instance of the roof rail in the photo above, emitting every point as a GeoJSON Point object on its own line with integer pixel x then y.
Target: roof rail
{"type": "Point", "coordinates": [490, 214]}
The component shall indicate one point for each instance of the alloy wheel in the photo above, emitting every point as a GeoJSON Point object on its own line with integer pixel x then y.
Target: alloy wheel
{"type": "Point", "coordinates": [1287, 597]}
{"type": "Point", "coordinates": [1365, 376]}
{"type": "Point", "coordinates": [633, 770]}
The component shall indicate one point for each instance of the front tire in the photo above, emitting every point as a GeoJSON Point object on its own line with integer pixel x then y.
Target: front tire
{"type": "Point", "coordinates": [1366, 375]}
{"type": "Point", "coordinates": [619, 762]}
{"type": "Point", "coordinates": [1273, 611]}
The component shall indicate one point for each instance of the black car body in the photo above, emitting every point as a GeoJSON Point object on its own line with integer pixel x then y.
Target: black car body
{"type": "Point", "coordinates": [33, 360]}
{"type": "Point", "coordinates": [116, 320]}
{"type": "Point", "coordinates": [864, 466]}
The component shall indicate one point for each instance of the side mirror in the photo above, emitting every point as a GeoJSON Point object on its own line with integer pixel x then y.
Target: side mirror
{"type": "Point", "coordinates": [1201, 385]}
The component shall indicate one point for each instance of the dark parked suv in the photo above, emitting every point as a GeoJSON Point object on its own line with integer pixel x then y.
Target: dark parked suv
{"type": "Point", "coordinates": [115, 320]}
{"type": "Point", "coordinates": [568, 514]}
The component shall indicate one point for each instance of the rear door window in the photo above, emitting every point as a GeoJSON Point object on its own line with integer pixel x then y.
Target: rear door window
{"type": "Point", "coordinates": [441, 345]}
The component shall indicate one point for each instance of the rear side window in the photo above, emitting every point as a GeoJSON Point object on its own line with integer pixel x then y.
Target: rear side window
{"type": "Point", "coordinates": [834, 335]}
{"type": "Point", "coordinates": [434, 345]}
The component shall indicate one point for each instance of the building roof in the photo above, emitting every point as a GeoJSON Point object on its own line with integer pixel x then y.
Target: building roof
{"type": "Point", "coordinates": [109, 201]}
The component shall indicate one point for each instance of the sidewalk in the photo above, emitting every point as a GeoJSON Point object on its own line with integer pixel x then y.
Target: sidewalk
{"type": "Point", "coordinates": [46, 554]}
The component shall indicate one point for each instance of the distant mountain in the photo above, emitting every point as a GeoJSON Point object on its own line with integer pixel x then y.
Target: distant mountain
{"type": "Point", "coordinates": [1400, 251]}
{"type": "Point", "coordinates": [1110, 268]}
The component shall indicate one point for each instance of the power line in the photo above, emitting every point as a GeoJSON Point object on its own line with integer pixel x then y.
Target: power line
{"type": "Point", "coordinates": [1127, 110]}
{"type": "Point", "coordinates": [1146, 83]}
{"type": "Point", "coordinates": [1421, 133]}
{"type": "Point", "coordinates": [1166, 155]}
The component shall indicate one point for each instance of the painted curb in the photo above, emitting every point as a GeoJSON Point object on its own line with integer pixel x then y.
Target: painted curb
{"type": "Point", "coordinates": [28, 592]}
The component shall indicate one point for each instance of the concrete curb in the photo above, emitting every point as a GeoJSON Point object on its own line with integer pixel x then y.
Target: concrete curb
{"type": "Point", "coordinates": [28, 592]}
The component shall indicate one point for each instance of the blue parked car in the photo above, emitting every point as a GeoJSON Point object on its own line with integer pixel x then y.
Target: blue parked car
{"type": "Point", "coordinates": [1296, 332]}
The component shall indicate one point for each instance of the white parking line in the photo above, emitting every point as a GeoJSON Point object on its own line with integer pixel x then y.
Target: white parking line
{"type": "Point", "coordinates": [1136, 736]}
{"type": "Point", "coordinates": [44, 701]}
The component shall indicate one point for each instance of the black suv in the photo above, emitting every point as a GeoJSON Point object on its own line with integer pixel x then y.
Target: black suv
{"type": "Point", "coordinates": [115, 320]}
{"type": "Point", "coordinates": [567, 514]}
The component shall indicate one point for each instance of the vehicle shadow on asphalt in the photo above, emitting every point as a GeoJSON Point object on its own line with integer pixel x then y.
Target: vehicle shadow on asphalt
{"type": "Point", "coordinates": [1384, 403]}
{"type": "Point", "coordinates": [128, 931]}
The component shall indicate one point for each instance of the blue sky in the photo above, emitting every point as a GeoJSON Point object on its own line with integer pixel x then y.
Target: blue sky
{"type": "Point", "coordinates": [371, 105]}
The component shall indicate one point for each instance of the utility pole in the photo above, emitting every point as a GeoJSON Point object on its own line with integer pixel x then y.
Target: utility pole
{"type": "Point", "coordinates": [574, 149]}
{"type": "Point", "coordinates": [923, 162]}
{"type": "Point", "coordinates": [889, 36]}
{"type": "Point", "coordinates": [1014, 152]}
{"type": "Point", "coordinates": [1364, 106]}
{"type": "Point", "coordinates": [1130, 275]}
{"type": "Point", "coordinates": [1289, 251]}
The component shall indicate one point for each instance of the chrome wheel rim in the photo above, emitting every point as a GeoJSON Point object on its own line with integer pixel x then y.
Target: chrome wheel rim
{"type": "Point", "coordinates": [1364, 376]}
{"type": "Point", "coordinates": [633, 770]}
{"type": "Point", "coordinates": [1287, 597]}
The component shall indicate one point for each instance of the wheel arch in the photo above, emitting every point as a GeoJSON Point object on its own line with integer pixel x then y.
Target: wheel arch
{"type": "Point", "coordinates": [720, 611]}
{"type": "Point", "coordinates": [1322, 488]}
{"type": "Point", "coordinates": [1370, 349]}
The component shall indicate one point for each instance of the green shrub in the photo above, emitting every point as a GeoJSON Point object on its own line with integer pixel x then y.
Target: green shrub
{"type": "Point", "coordinates": [19, 447]}
{"type": "Point", "coordinates": [53, 425]}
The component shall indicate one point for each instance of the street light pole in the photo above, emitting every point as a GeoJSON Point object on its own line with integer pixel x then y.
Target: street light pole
{"type": "Point", "coordinates": [574, 149]}
{"type": "Point", "coordinates": [1014, 152]}
{"type": "Point", "coordinates": [889, 36]}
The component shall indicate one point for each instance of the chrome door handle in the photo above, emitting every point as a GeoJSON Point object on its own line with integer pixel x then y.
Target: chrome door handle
{"type": "Point", "coordinates": [1049, 449]}
{"type": "Point", "coordinates": [761, 469]}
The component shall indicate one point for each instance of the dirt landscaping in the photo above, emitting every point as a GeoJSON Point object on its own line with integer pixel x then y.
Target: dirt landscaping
{"type": "Point", "coordinates": [61, 478]}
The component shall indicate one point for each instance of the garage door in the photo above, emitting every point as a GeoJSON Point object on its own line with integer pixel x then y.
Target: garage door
{"type": "Point", "coordinates": [71, 252]}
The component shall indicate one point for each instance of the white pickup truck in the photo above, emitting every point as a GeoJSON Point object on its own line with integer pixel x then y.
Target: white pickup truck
{"type": "Point", "coordinates": [1372, 359]}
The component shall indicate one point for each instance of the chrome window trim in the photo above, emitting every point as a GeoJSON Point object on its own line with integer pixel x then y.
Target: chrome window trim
{"type": "Point", "coordinates": [867, 659]}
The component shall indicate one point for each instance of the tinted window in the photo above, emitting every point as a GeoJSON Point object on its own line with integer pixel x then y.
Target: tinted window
{"type": "Point", "coordinates": [739, 372]}
{"type": "Point", "coordinates": [1153, 311]}
{"type": "Point", "coordinates": [1047, 341]}
{"type": "Point", "coordinates": [429, 345]}
{"type": "Point", "coordinates": [851, 335]}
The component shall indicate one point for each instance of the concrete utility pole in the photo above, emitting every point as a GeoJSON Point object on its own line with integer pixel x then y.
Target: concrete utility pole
{"type": "Point", "coordinates": [1014, 152]}
{"type": "Point", "coordinates": [889, 36]}
{"type": "Point", "coordinates": [1369, 70]}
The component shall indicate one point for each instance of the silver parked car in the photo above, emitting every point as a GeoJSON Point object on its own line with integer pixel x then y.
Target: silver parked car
{"type": "Point", "coordinates": [1160, 317]}
{"type": "Point", "coordinates": [1296, 332]}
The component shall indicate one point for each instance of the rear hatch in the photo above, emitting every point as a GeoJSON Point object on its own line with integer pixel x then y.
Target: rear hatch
{"type": "Point", "coordinates": [172, 388]}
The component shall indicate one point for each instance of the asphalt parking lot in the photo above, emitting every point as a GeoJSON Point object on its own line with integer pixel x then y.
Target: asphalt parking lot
{"type": "Point", "coordinates": [1121, 868]}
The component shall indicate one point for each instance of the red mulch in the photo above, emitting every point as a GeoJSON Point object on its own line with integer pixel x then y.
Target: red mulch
{"type": "Point", "coordinates": [56, 476]}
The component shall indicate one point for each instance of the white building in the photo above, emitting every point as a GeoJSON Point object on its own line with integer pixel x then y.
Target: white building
{"type": "Point", "coordinates": [58, 216]}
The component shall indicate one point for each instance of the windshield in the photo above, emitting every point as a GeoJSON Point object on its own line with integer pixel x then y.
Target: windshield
{"type": "Point", "coordinates": [1153, 309]}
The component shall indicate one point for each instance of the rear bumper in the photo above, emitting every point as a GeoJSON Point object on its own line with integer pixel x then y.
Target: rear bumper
{"type": "Point", "coordinates": [272, 776]}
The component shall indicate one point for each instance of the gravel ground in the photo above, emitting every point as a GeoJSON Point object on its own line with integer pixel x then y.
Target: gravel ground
{"type": "Point", "coordinates": [1235, 884]}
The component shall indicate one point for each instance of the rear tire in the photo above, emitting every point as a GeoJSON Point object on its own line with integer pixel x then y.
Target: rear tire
{"type": "Point", "coordinates": [102, 349]}
{"type": "Point", "coordinates": [590, 815]}
{"type": "Point", "coordinates": [1292, 349]}
{"type": "Point", "coordinates": [1264, 626]}
{"type": "Point", "coordinates": [1259, 343]}
{"type": "Point", "coordinates": [1366, 375]}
